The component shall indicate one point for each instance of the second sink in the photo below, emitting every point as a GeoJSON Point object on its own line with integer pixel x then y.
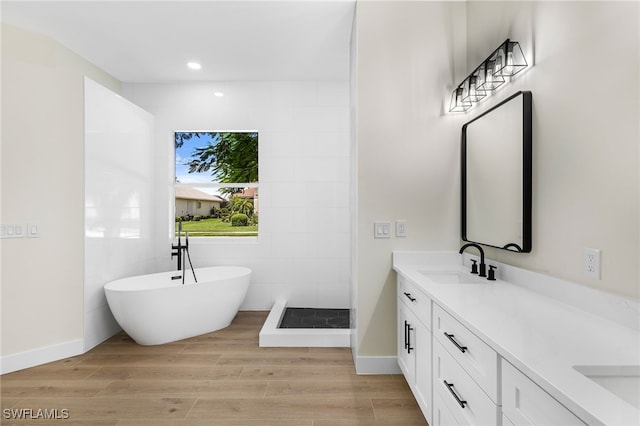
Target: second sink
{"type": "Point", "coordinates": [621, 380]}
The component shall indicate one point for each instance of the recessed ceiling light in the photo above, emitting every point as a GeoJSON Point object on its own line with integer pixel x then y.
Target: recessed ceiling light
{"type": "Point", "coordinates": [194, 65]}
{"type": "Point", "coordinates": [218, 94]}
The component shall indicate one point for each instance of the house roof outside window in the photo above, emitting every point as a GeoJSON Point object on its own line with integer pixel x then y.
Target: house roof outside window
{"type": "Point", "coordinates": [247, 193]}
{"type": "Point", "coordinates": [187, 193]}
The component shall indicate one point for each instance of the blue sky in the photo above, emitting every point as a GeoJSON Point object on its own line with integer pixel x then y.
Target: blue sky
{"type": "Point", "coordinates": [183, 155]}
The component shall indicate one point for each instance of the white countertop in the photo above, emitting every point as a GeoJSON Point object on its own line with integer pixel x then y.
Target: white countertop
{"type": "Point", "coordinates": [540, 335]}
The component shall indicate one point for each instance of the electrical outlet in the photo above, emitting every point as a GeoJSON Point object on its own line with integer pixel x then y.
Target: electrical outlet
{"type": "Point", "coordinates": [401, 228]}
{"type": "Point", "coordinates": [592, 262]}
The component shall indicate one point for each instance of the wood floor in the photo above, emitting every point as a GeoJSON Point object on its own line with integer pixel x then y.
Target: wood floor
{"type": "Point", "coordinates": [221, 378]}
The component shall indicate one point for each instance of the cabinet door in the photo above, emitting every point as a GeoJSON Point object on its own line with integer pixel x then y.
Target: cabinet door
{"type": "Point", "coordinates": [407, 343]}
{"type": "Point", "coordinates": [424, 384]}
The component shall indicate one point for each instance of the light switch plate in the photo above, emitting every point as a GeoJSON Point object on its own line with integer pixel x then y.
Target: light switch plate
{"type": "Point", "coordinates": [401, 228]}
{"type": "Point", "coordinates": [382, 229]}
{"type": "Point", "coordinates": [12, 230]}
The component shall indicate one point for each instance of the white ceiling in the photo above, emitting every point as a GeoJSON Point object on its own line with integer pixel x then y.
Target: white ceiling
{"type": "Point", "coordinates": [151, 41]}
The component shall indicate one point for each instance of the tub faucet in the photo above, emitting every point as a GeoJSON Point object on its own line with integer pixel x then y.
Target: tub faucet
{"type": "Point", "coordinates": [180, 250]}
{"type": "Point", "coordinates": [483, 266]}
{"type": "Point", "coordinates": [176, 249]}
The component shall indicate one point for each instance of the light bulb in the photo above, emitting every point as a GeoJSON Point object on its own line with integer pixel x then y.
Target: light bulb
{"type": "Point", "coordinates": [508, 68]}
{"type": "Point", "coordinates": [482, 76]}
{"type": "Point", "coordinates": [473, 93]}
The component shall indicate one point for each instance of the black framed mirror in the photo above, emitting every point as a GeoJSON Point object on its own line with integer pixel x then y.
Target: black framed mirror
{"type": "Point", "coordinates": [497, 175]}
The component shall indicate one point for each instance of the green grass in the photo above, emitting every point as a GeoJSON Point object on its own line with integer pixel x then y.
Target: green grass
{"type": "Point", "coordinates": [217, 228]}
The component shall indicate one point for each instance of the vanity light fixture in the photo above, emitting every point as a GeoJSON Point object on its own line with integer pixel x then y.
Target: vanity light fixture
{"type": "Point", "coordinates": [471, 92]}
{"type": "Point", "coordinates": [458, 102]}
{"type": "Point", "coordinates": [506, 61]}
{"type": "Point", "coordinates": [486, 79]}
{"type": "Point", "coordinates": [194, 65]}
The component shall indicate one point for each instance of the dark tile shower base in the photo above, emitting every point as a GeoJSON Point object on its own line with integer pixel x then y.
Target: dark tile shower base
{"type": "Point", "coordinates": [315, 318]}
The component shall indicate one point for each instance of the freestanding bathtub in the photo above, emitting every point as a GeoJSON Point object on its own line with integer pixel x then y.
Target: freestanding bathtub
{"type": "Point", "coordinates": [154, 309]}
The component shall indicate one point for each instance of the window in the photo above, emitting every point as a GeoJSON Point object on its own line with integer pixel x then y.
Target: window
{"type": "Point", "coordinates": [216, 183]}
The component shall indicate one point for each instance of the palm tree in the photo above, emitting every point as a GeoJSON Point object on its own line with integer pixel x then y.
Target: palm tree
{"type": "Point", "coordinates": [242, 205]}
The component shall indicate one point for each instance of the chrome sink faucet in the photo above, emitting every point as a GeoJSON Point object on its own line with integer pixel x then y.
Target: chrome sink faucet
{"type": "Point", "coordinates": [483, 266]}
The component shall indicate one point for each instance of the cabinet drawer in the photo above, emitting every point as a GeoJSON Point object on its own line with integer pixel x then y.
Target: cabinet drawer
{"type": "Point", "coordinates": [441, 414]}
{"type": "Point", "coordinates": [461, 394]}
{"type": "Point", "coordinates": [525, 403]}
{"type": "Point", "coordinates": [475, 356]}
{"type": "Point", "coordinates": [416, 300]}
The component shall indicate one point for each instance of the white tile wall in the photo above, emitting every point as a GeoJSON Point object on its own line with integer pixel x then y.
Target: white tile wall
{"type": "Point", "coordinates": [302, 253]}
{"type": "Point", "coordinates": [119, 203]}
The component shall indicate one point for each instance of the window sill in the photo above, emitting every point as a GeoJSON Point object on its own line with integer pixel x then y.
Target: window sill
{"type": "Point", "coordinates": [222, 240]}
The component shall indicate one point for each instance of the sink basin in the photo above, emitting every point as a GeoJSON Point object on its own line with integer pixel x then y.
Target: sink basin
{"type": "Point", "coordinates": [621, 380]}
{"type": "Point", "coordinates": [451, 277]}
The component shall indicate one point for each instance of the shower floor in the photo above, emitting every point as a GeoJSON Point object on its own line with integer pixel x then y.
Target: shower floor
{"type": "Point", "coordinates": [273, 334]}
{"type": "Point", "coordinates": [315, 318]}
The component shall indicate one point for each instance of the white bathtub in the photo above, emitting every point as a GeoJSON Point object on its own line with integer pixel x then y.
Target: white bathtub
{"type": "Point", "coordinates": [154, 309]}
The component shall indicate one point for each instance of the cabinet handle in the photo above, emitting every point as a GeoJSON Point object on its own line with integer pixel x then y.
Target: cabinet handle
{"type": "Point", "coordinates": [455, 395]}
{"type": "Point", "coordinates": [406, 340]}
{"type": "Point", "coordinates": [463, 349]}
{"type": "Point", "coordinates": [413, 299]}
{"type": "Point", "coordinates": [409, 330]}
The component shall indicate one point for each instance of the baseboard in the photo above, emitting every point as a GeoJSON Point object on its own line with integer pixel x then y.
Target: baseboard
{"type": "Point", "coordinates": [377, 365]}
{"type": "Point", "coordinates": [33, 357]}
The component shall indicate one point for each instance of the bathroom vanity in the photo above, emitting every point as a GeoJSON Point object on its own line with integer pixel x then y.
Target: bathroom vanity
{"type": "Point", "coordinates": [525, 349]}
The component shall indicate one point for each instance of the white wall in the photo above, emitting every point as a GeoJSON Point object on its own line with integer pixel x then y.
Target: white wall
{"type": "Point", "coordinates": [586, 103]}
{"type": "Point", "coordinates": [42, 183]}
{"type": "Point", "coordinates": [302, 252]}
{"type": "Point", "coordinates": [586, 106]}
{"type": "Point", "coordinates": [407, 151]}
{"type": "Point", "coordinates": [119, 204]}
